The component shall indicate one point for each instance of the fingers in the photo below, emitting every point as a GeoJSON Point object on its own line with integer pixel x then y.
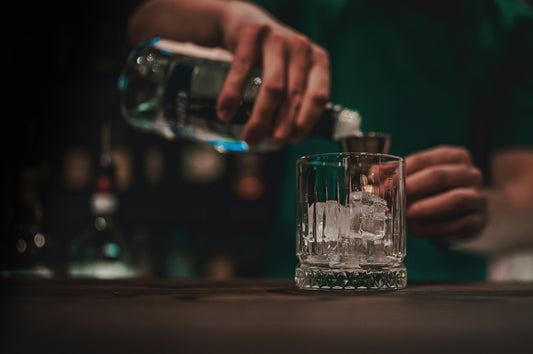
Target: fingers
{"type": "Point", "coordinates": [455, 214]}
{"type": "Point", "coordinates": [295, 82]}
{"type": "Point", "coordinates": [444, 197]}
{"type": "Point", "coordinates": [440, 169]}
{"type": "Point", "coordinates": [245, 58]}
{"type": "Point", "coordinates": [272, 90]}
{"type": "Point", "coordinates": [460, 228]}
{"type": "Point", "coordinates": [316, 95]}
{"type": "Point", "coordinates": [294, 92]}
{"type": "Point", "coordinates": [443, 154]}
{"type": "Point", "coordinates": [452, 202]}
{"type": "Point", "coordinates": [438, 178]}
{"type": "Point", "coordinates": [299, 62]}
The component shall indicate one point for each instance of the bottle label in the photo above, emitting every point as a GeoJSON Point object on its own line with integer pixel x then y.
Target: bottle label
{"type": "Point", "coordinates": [190, 104]}
{"type": "Point", "coordinates": [177, 94]}
{"type": "Point", "coordinates": [193, 114]}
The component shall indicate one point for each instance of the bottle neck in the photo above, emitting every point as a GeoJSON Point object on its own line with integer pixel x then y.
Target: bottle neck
{"type": "Point", "coordinates": [338, 123]}
{"type": "Point", "coordinates": [344, 126]}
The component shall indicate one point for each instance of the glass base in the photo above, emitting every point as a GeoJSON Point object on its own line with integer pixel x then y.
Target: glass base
{"type": "Point", "coordinates": [361, 279]}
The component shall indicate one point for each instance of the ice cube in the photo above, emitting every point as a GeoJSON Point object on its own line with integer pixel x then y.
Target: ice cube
{"type": "Point", "coordinates": [323, 218]}
{"type": "Point", "coordinates": [368, 214]}
{"type": "Point", "coordinates": [369, 201]}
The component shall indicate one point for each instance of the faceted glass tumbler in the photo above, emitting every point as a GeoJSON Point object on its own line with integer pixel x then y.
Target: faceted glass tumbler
{"type": "Point", "coordinates": [350, 231]}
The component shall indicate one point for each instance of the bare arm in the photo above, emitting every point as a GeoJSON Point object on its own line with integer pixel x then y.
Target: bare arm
{"type": "Point", "coordinates": [198, 21]}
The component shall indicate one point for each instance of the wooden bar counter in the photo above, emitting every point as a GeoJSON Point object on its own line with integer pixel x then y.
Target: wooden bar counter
{"type": "Point", "coordinates": [261, 316]}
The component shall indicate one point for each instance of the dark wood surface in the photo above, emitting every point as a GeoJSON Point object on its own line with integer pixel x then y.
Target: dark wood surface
{"type": "Point", "coordinates": [262, 316]}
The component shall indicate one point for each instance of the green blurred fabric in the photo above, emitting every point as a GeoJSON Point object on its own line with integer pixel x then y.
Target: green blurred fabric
{"type": "Point", "coordinates": [427, 72]}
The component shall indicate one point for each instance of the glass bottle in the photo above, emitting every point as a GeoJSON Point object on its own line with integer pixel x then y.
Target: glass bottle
{"type": "Point", "coordinates": [171, 88]}
{"type": "Point", "coordinates": [102, 250]}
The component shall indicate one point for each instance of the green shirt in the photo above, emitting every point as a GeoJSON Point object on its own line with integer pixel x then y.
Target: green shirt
{"type": "Point", "coordinates": [452, 73]}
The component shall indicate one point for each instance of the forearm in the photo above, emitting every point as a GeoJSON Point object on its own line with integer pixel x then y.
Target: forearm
{"type": "Point", "coordinates": [198, 21]}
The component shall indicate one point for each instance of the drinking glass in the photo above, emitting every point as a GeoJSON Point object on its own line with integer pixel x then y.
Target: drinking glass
{"type": "Point", "coordinates": [351, 222]}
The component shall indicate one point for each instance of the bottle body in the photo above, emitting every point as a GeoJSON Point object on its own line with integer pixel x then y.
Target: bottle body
{"type": "Point", "coordinates": [172, 88]}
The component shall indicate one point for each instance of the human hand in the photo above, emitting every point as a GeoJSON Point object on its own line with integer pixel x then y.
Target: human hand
{"type": "Point", "coordinates": [444, 197]}
{"type": "Point", "coordinates": [296, 80]}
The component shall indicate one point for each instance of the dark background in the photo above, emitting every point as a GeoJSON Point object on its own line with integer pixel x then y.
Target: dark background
{"type": "Point", "coordinates": [62, 61]}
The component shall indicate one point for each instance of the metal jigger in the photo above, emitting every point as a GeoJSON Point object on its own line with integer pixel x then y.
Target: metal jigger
{"type": "Point", "coordinates": [368, 142]}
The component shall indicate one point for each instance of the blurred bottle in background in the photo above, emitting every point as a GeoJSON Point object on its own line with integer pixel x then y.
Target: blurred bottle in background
{"type": "Point", "coordinates": [26, 246]}
{"type": "Point", "coordinates": [102, 250]}
{"type": "Point", "coordinates": [28, 251]}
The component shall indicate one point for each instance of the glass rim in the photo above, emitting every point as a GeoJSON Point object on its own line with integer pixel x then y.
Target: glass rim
{"type": "Point", "coordinates": [313, 157]}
